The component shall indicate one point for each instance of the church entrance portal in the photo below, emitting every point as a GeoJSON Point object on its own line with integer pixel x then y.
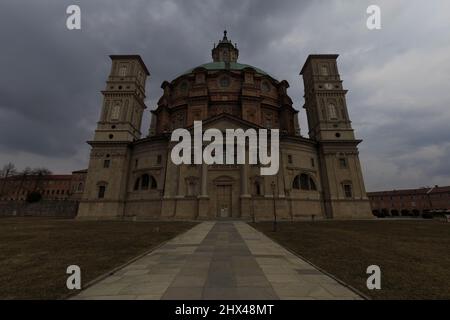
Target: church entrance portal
{"type": "Point", "coordinates": [224, 201]}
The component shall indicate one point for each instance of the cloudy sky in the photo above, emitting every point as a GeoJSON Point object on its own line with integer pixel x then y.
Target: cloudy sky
{"type": "Point", "coordinates": [398, 77]}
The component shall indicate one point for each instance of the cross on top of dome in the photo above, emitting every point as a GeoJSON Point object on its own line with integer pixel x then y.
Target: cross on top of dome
{"type": "Point", "coordinates": [225, 39]}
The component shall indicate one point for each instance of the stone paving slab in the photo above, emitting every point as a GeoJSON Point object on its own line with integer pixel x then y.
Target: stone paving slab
{"type": "Point", "coordinates": [219, 261]}
{"type": "Point", "coordinates": [290, 276]}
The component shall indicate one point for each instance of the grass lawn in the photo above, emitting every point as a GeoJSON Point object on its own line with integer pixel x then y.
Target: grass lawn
{"type": "Point", "coordinates": [414, 256]}
{"type": "Point", "coordinates": [35, 252]}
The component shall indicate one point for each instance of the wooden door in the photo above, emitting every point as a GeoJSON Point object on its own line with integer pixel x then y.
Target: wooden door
{"type": "Point", "coordinates": [224, 201]}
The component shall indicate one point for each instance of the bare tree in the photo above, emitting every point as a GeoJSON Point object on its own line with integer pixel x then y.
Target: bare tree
{"type": "Point", "coordinates": [40, 172]}
{"type": "Point", "coordinates": [7, 171]}
{"type": "Point", "coordinates": [24, 174]}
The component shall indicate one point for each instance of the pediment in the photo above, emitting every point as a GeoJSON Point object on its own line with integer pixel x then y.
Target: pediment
{"type": "Point", "coordinates": [227, 121]}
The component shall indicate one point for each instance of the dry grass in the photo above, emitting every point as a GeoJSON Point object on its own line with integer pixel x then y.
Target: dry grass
{"type": "Point", "coordinates": [414, 256]}
{"type": "Point", "coordinates": [35, 252]}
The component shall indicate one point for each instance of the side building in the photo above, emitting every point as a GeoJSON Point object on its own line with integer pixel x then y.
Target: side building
{"type": "Point", "coordinates": [50, 187]}
{"type": "Point", "coordinates": [410, 202]}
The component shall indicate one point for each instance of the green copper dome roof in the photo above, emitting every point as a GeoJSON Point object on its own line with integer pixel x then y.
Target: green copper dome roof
{"type": "Point", "coordinates": [220, 65]}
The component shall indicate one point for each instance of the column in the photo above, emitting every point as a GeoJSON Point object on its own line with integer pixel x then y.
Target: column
{"type": "Point", "coordinates": [244, 180]}
{"type": "Point", "coordinates": [203, 200]}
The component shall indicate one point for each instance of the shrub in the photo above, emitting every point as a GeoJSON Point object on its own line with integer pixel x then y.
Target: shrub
{"type": "Point", "coordinates": [34, 197]}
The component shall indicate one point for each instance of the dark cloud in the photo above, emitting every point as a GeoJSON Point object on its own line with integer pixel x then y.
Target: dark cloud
{"type": "Point", "coordinates": [398, 77]}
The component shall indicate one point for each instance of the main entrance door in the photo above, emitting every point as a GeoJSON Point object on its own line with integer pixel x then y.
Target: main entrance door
{"type": "Point", "coordinates": [223, 201]}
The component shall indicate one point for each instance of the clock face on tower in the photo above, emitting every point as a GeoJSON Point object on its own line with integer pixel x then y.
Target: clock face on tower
{"type": "Point", "coordinates": [328, 86]}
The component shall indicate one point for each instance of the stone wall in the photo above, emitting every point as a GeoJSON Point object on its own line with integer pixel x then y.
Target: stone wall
{"type": "Point", "coordinates": [45, 208]}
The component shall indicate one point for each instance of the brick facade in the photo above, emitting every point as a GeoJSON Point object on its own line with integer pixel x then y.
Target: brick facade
{"type": "Point", "coordinates": [410, 202]}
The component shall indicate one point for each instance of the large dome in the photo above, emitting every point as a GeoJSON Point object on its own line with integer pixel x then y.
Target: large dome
{"type": "Point", "coordinates": [224, 87]}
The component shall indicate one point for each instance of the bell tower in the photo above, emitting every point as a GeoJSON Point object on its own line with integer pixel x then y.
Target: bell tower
{"type": "Point", "coordinates": [344, 194]}
{"type": "Point", "coordinates": [119, 125]}
{"type": "Point", "coordinates": [325, 103]}
{"type": "Point", "coordinates": [123, 102]}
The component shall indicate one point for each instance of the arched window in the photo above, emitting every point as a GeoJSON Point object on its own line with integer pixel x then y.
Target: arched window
{"type": "Point", "coordinates": [123, 70]}
{"type": "Point", "coordinates": [80, 186]}
{"type": "Point", "coordinates": [304, 181]}
{"type": "Point", "coordinates": [332, 111]}
{"type": "Point", "coordinates": [101, 192]}
{"type": "Point", "coordinates": [115, 111]}
{"type": "Point", "coordinates": [145, 181]}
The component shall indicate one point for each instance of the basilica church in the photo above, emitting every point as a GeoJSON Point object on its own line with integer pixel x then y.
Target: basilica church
{"type": "Point", "coordinates": [131, 174]}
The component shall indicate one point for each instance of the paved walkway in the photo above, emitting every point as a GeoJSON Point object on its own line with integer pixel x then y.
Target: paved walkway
{"type": "Point", "coordinates": [219, 260]}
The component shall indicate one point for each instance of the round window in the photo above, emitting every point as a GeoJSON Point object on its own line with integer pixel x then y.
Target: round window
{"type": "Point", "coordinates": [265, 86]}
{"type": "Point", "coordinates": [183, 87]}
{"type": "Point", "coordinates": [224, 82]}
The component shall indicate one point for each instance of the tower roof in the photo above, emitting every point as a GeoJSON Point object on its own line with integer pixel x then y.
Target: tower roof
{"type": "Point", "coordinates": [131, 56]}
{"type": "Point", "coordinates": [317, 56]}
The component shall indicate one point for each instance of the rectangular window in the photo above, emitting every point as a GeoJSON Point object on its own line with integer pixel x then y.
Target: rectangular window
{"type": "Point", "coordinates": [312, 162]}
{"type": "Point", "coordinates": [136, 162]}
{"type": "Point", "coordinates": [343, 163]}
{"type": "Point", "coordinates": [101, 192]}
{"type": "Point", "coordinates": [348, 190]}
{"type": "Point", "coordinates": [158, 159]}
{"type": "Point", "coordinates": [106, 163]}
{"type": "Point", "coordinates": [289, 158]}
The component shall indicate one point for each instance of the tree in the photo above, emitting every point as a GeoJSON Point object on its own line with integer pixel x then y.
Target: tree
{"type": "Point", "coordinates": [34, 197]}
{"type": "Point", "coordinates": [7, 171]}
{"type": "Point", "coordinates": [24, 174]}
{"type": "Point", "coordinates": [40, 172]}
